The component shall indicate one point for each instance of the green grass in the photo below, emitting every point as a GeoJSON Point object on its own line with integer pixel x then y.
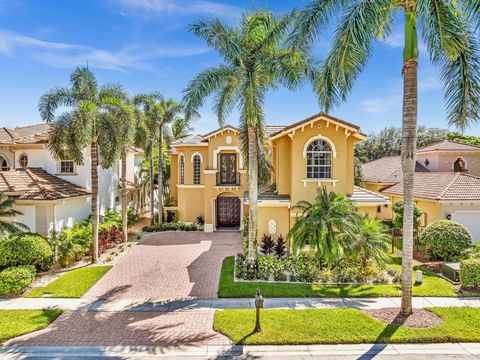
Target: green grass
{"type": "Point", "coordinates": [432, 285]}
{"type": "Point", "coordinates": [18, 322]}
{"type": "Point", "coordinates": [73, 284]}
{"type": "Point", "coordinates": [342, 326]}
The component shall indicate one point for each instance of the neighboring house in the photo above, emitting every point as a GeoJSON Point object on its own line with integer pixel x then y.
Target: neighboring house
{"type": "Point", "coordinates": [209, 176]}
{"type": "Point", "coordinates": [51, 193]}
{"type": "Point", "coordinates": [447, 183]}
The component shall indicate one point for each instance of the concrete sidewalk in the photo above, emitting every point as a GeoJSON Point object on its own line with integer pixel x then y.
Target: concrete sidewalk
{"type": "Point", "coordinates": [359, 351]}
{"type": "Point", "coordinates": [214, 304]}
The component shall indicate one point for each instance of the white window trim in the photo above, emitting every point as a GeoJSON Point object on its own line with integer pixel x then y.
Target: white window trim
{"type": "Point", "coordinates": [199, 170]}
{"type": "Point", "coordinates": [227, 148]}
{"type": "Point", "coordinates": [196, 153]}
{"type": "Point", "coordinates": [59, 167]}
{"type": "Point", "coordinates": [319, 137]}
{"type": "Point", "coordinates": [180, 169]}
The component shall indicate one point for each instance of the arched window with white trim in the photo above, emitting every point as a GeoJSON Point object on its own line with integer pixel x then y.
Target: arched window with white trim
{"type": "Point", "coordinates": [196, 169]}
{"type": "Point", "coordinates": [319, 160]}
{"type": "Point", "coordinates": [182, 169]}
{"type": "Point", "coordinates": [4, 164]}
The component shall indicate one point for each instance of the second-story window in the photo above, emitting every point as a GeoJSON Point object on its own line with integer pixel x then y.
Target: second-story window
{"type": "Point", "coordinates": [319, 160]}
{"type": "Point", "coordinates": [4, 164]}
{"type": "Point", "coordinates": [182, 169]}
{"type": "Point", "coordinates": [23, 160]}
{"type": "Point", "coordinates": [67, 167]}
{"type": "Point", "coordinates": [196, 169]}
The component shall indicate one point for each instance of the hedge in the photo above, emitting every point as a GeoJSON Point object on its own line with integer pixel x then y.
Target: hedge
{"type": "Point", "coordinates": [470, 273]}
{"type": "Point", "coordinates": [172, 226]}
{"type": "Point", "coordinates": [445, 240]}
{"type": "Point", "coordinates": [15, 280]}
{"type": "Point", "coordinates": [25, 249]}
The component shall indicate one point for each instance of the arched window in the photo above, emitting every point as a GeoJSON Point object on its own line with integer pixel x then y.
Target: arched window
{"type": "Point", "coordinates": [23, 160]}
{"type": "Point", "coordinates": [459, 165]}
{"type": "Point", "coordinates": [319, 160]}
{"type": "Point", "coordinates": [182, 169]}
{"type": "Point", "coordinates": [196, 169]}
{"type": "Point", "coordinates": [3, 164]}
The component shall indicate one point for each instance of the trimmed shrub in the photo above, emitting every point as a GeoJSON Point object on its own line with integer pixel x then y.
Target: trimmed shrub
{"type": "Point", "coordinates": [25, 249]}
{"type": "Point", "coordinates": [15, 280]}
{"type": "Point", "coordinates": [267, 245]}
{"type": "Point", "coordinates": [470, 273]}
{"type": "Point", "coordinates": [280, 248]}
{"type": "Point", "coordinates": [173, 226]}
{"type": "Point", "coordinates": [445, 240]}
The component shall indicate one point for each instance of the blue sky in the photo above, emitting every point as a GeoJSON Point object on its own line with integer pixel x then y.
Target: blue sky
{"type": "Point", "coordinates": [145, 45]}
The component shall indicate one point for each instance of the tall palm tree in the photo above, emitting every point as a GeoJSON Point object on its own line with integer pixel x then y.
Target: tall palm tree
{"type": "Point", "coordinates": [448, 29]}
{"type": "Point", "coordinates": [180, 129]}
{"type": "Point", "coordinates": [326, 225]}
{"type": "Point", "coordinates": [87, 121]}
{"type": "Point", "coordinates": [255, 59]}
{"type": "Point", "coordinates": [7, 211]}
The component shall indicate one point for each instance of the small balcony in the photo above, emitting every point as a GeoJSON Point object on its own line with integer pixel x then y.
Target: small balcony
{"type": "Point", "coordinates": [228, 179]}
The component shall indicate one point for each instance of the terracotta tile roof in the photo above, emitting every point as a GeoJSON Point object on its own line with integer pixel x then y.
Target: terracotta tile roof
{"type": "Point", "coordinates": [30, 134]}
{"type": "Point", "coordinates": [273, 129]}
{"type": "Point", "coordinates": [448, 145]}
{"type": "Point", "coordinates": [37, 184]}
{"type": "Point", "coordinates": [364, 196]}
{"type": "Point", "coordinates": [386, 170]}
{"type": "Point", "coordinates": [441, 186]}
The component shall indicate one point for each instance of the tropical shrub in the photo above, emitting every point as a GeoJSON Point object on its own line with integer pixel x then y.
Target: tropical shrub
{"type": "Point", "coordinates": [25, 249]}
{"type": "Point", "coordinates": [470, 273]}
{"type": "Point", "coordinates": [280, 247]}
{"type": "Point", "coordinates": [200, 221]}
{"type": "Point", "coordinates": [398, 217]}
{"type": "Point", "coordinates": [15, 280]}
{"type": "Point", "coordinates": [170, 216]}
{"type": "Point", "coordinates": [268, 245]}
{"type": "Point", "coordinates": [173, 226]}
{"type": "Point", "coordinates": [326, 225]}
{"type": "Point", "coordinates": [445, 240]}
{"type": "Point", "coordinates": [109, 238]}
{"type": "Point", "coordinates": [116, 217]}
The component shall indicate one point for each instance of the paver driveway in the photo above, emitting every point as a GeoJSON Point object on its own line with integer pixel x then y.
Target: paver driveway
{"type": "Point", "coordinates": [169, 266]}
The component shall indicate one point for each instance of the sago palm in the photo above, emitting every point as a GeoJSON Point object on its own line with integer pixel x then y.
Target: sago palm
{"type": "Point", "coordinates": [86, 121]}
{"type": "Point", "coordinates": [326, 226]}
{"type": "Point", "coordinates": [369, 241]}
{"type": "Point", "coordinates": [450, 31]}
{"type": "Point", "coordinates": [256, 59]}
{"type": "Point", "coordinates": [7, 211]}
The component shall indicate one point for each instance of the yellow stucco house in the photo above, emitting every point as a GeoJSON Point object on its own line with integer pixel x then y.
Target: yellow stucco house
{"type": "Point", "coordinates": [209, 176]}
{"type": "Point", "coordinates": [446, 185]}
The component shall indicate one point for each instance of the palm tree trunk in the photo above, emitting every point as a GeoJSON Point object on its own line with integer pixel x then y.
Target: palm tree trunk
{"type": "Point", "coordinates": [152, 192]}
{"type": "Point", "coordinates": [95, 214]}
{"type": "Point", "coordinates": [160, 174]}
{"type": "Point", "coordinates": [409, 148]}
{"type": "Point", "coordinates": [124, 198]}
{"type": "Point", "coordinates": [252, 192]}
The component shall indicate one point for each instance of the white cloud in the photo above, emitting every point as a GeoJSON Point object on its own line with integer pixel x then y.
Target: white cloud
{"type": "Point", "coordinates": [159, 7]}
{"type": "Point", "coordinates": [67, 55]}
{"type": "Point", "coordinates": [381, 105]}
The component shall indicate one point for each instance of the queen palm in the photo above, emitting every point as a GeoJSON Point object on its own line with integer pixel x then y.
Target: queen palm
{"type": "Point", "coordinates": [255, 60]}
{"type": "Point", "coordinates": [86, 121]}
{"type": "Point", "coordinates": [326, 226]}
{"type": "Point", "coordinates": [448, 31]}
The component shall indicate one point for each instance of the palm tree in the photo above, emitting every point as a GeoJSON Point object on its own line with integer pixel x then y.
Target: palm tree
{"type": "Point", "coordinates": [448, 29]}
{"type": "Point", "coordinates": [256, 59]}
{"type": "Point", "coordinates": [180, 129]}
{"type": "Point", "coordinates": [88, 121]}
{"type": "Point", "coordinates": [369, 241]}
{"type": "Point", "coordinates": [7, 211]}
{"type": "Point", "coordinates": [326, 225]}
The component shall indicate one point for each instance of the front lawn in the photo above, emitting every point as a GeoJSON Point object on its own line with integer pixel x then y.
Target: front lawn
{"type": "Point", "coordinates": [433, 285]}
{"type": "Point", "coordinates": [18, 322]}
{"type": "Point", "coordinates": [342, 326]}
{"type": "Point", "coordinates": [74, 284]}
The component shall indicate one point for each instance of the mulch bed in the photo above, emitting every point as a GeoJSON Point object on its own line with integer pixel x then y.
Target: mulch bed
{"type": "Point", "coordinates": [420, 318]}
{"type": "Point", "coordinates": [435, 266]}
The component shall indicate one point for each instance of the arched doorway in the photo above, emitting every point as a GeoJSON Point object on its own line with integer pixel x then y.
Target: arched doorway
{"type": "Point", "coordinates": [228, 212]}
{"type": "Point", "coordinates": [4, 164]}
{"type": "Point", "coordinates": [459, 165]}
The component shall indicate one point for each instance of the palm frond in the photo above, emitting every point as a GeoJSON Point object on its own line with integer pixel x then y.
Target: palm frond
{"type": "Point", "coordinates": [53, 99]}
{"type": "Point", "coordinates": [112, 91]}
{"type": "Point", "coordinates": [472, 8]}
{"type": "Point", "coordinates": [84, 84]}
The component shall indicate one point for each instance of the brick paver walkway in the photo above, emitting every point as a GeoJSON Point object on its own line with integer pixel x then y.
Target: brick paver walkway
{"type": "Point", "coordinates": [169, 266]}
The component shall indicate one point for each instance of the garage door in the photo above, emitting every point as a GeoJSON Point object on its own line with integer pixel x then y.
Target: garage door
{"type": "Point", "coordinates": [471, 220]}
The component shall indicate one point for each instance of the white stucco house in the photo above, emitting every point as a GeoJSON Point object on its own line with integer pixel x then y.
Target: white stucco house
{"type": "Point", "coordinates": [52, 194]}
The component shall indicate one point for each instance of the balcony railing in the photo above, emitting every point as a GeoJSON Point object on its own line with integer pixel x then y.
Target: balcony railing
{"type": "Point", "coordinates": [228, 179]}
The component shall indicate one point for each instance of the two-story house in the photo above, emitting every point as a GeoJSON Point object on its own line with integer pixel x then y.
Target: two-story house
{"type": "Point", "coordinates": [209, 175]}
{"type": "Point", "coordinates": [447, 183]}
{"type": "Point", "coordinates": [51, 193]}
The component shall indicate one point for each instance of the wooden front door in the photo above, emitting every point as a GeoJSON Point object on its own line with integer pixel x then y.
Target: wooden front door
{"type": "Point", "coordinates": [228, 168]}
{"type": "Point", "coordinates": [228, 212]}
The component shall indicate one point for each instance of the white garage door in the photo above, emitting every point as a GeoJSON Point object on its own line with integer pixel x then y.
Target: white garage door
{"type": "Point", "coordinates": [471, 220]}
